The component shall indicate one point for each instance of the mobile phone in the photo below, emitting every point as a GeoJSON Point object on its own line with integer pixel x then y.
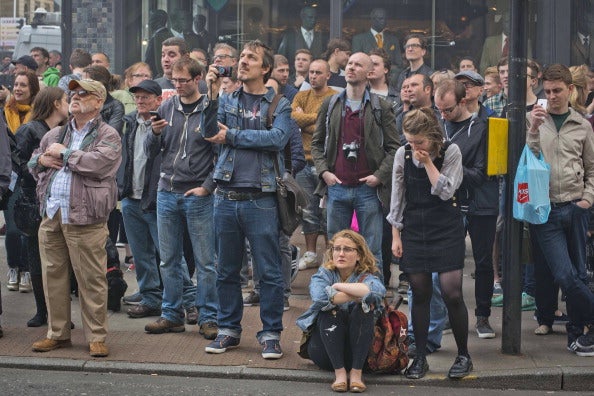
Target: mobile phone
{"type": "Point", "coordinates": [542, 102]}
{"type": "Point", "coordinates": [156, 115]}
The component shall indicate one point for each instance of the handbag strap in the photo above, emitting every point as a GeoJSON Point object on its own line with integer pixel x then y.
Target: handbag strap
{"type": "Point", "coordinates": [287, 149]}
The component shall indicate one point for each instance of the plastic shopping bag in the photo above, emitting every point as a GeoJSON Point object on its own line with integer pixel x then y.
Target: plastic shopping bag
{"type": "Point", "coordinates": [531, 189]}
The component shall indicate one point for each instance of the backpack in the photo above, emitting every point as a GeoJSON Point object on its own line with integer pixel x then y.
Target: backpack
{"type": "Point", "coordinates": [388, 353]}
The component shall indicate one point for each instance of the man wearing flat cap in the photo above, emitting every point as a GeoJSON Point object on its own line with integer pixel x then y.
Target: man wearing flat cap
{"type": "Point", "coordinates": [75, 167]}
{"type": "Point", "coordinates": [137, 184]}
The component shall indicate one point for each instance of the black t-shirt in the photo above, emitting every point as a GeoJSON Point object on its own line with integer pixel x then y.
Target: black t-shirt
{"type": "Point", "coordinates": [454, 128]}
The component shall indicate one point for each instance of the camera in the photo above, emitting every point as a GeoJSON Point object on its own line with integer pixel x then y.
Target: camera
{"type": "Point", "coordinates": [351, 150]}
{"type": "Point", "coordinates": [224, 71]}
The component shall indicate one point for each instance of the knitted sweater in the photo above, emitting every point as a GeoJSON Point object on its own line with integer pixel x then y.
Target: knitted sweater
{"type": "Point", "coordinates": [310, 102]}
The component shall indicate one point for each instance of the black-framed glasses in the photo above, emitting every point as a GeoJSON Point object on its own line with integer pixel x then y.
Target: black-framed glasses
{"type": "Point", "coordinates": [468, 84]}
{"type": "Point", "coordinates": [181, 81]}
{"type": "Point", "coordinates": [82, 93]}
{"type": "Point", "coordinates": [343, 249]}
{"type": "Point", "coordinates": [448, 110]}
{"type": "Point", "coordinates": [412, 45]}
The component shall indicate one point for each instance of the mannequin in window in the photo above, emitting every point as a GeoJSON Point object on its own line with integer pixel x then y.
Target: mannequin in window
{"type": "Point", "coordinates": [159, 33]}
{"type": "Point", "coordinates": [378, 37]}
{"type": "Point", "coordinates": [306, 36]}
{"type": "Point", "coordinates": [582, 48]}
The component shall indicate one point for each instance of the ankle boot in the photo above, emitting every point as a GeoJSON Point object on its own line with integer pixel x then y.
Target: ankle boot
{"type": "Point", "coordinates": [40, 317]}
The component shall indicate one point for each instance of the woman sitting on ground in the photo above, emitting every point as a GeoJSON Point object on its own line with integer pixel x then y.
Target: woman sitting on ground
{"type": "Point", "coordinates": [346, 299]}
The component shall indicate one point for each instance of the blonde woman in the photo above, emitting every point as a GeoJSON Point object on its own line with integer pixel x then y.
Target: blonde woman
{"type": "Point", "coordinates": [346, 296]}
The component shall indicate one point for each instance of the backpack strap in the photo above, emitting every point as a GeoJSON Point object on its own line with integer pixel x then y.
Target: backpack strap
{"type": "Point", "coordinates": [269, 120]}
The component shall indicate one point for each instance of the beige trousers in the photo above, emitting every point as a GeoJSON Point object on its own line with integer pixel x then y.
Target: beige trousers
{"type": "Point", "coordinates": [82, 248]}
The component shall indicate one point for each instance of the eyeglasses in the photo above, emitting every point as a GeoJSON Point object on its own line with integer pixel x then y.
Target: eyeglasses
{"type": "Point", "coordinates": [448, 110]}
{"type": "Point", "coordinates": [343, 249]}
{"type": "Point", "coordinates": [141, 76]}
{"type": "Point", "coordinates": [81, 93]}
{"type": "Point", "coordinates": [141, 97]}
{"type": "Point", "coordinates": [220, 57]}
{"type": "Point", "coordinates": [413, 45]}
{"type": "Point", "coordinates": [468, 84]}
{"type": "Point", "coordinates": [181, 81]}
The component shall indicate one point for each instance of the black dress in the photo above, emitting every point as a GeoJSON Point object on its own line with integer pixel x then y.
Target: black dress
{"type": "Point", "coordinates": [433, 229]}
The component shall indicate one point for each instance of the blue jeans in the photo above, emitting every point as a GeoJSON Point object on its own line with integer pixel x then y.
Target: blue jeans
{"type": "Point", "coordinates": [438, 315]}
{"type": "Point", "coordinates": [562, 242]}
{"type": "Point", "coordinates": [178, 288]}
{"type": "Point", "coordinates": [143, 238]}
{"type": "Point", "coordinates": [343, 200]}
{"type": "Point", "coordinates": [314, 221]}
{"type": "Point", "coordinates": [285, 247]}
{"type": "Point", "coordinates": [256, 220]}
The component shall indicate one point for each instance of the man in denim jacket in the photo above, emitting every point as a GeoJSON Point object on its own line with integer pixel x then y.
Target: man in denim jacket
{"type": "Point", "coordinates": [245, 202]}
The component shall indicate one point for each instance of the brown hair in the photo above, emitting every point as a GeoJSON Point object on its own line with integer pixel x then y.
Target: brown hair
{"type": "Point", "coordinates": [335, 44]}
{"type": "Point", "coordinates": [366, 262]}
{"type": "Point", "coordinates": [557, 72]}
{"type": "Point", "coordinates": [33, 82]}
{"type": "Point", "coordinates": [424, 122]}
{"type": "Point", "coordinates": [133, 68]}
{"type": "Point", "coordinates": [178, 42]}
{"type": "Point", "coordinates": [80, 58]}
{"type": "Point", "coordinates": [492, 72]}
{"type": "Point", "coordinates": [267, 55]}
{"type": "Point", "coordinates": [451, 86]}
{"type": "Point", "coordinates": [385, 58]}
{"type": "Point", "coordinates": [191, 65]}
{"type": "Point", "coordinates": [101, 74]}
{"type": "Point", "coordinates": [43, 105]}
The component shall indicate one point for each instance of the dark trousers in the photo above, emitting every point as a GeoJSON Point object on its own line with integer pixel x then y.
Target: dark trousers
{"type": "Point", "coordinates": [560, 257]}
{"type": "Point", "coordinates": [482, 235]}
{"type": "Point", "coordinates": [342, 339]}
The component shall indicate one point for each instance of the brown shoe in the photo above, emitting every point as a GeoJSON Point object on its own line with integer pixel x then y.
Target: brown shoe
{"type": "Point", "coordinates": [209, 330]}
{"type": "Point", "coordinates": [163, 325]}
{"type": "Point", "coordinates": [98, 349]}
{"type": "Point", "coordinates": [142, 311]}
{"type": "Point", "coordinates": [48, 344]}
{"type": "Point", "coordinates": [192, 315]}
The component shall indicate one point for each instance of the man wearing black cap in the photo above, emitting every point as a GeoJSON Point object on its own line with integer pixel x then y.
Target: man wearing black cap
{"type": "Point", "coordinates": [137, 184]}
{"type": "Point", "coordinates": [25, 63]}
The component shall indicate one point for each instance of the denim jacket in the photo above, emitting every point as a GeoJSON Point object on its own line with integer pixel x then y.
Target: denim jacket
{"type": "Point", "coordinates": [272, 140]}
{"type": "Point", "coordinates": [321, 291]}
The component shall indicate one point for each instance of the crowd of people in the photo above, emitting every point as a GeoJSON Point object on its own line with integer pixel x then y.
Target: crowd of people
{"type": "Point", "coordinates": [177, 159]}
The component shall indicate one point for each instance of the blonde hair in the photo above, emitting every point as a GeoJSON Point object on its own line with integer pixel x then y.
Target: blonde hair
{"type": "Point", "coordinates": [366, 262]}
{"type": "Point", "coordinates": [424, 122]}
{"type": "Point", "coordinates": [579, 78]}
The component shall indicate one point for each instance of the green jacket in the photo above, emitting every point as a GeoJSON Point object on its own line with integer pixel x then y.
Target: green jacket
{"type": "Point", "coordinates": [381, 140]}
{"type": "Point", "coordinates": [51, 77]}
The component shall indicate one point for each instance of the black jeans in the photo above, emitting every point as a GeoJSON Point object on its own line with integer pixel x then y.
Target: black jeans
{"type": "Point", "coordinates": [482, 235]}
{"type": "Point", "coordinates": [342, 339]}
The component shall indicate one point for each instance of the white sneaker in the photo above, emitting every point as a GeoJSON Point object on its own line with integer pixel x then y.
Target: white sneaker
{"type": "Point", "coordinates": [25, 285]}
{"type": "Point", "coordinates": [307, 260]}
{"type": "Point", "coordinates": [13, 279]}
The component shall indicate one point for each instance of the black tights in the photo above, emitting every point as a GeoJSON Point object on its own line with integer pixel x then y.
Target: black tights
{"type": "Point", "coordinates": [451, 291]}
{"type": "Point", "coordinates": [341, 339]}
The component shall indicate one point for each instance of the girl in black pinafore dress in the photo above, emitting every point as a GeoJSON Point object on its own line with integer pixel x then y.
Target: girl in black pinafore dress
{"type": "Point", "coordinates": [428, 232]}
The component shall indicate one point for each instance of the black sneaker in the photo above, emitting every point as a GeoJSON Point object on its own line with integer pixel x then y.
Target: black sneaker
{"type": "Point", "coordinates": [252, 299]}
{"type": "Point", "coordinates": [584, 345]}
{"type": "Point", "coordinates": [461, 368]}
{"type": "Point", "coordinates": [483, 328]}
{"type": "Point", "coordinates": [271, 349]}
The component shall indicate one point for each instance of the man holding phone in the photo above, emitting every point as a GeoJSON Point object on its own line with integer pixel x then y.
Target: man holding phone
{"type": "Point", "coordinates": [137, 185]}
{"type": "Point", "coordinates": [184, 199]}
{"type": "Point", "coordinates": [567, 143]}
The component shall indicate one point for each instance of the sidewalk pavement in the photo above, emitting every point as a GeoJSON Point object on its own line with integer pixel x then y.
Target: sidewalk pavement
{"type": "Point", "coordinates": [544, 362]}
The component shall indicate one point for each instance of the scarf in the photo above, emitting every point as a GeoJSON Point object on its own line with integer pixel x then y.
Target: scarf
{"type": "Point", "coordinates": [17, 115]}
